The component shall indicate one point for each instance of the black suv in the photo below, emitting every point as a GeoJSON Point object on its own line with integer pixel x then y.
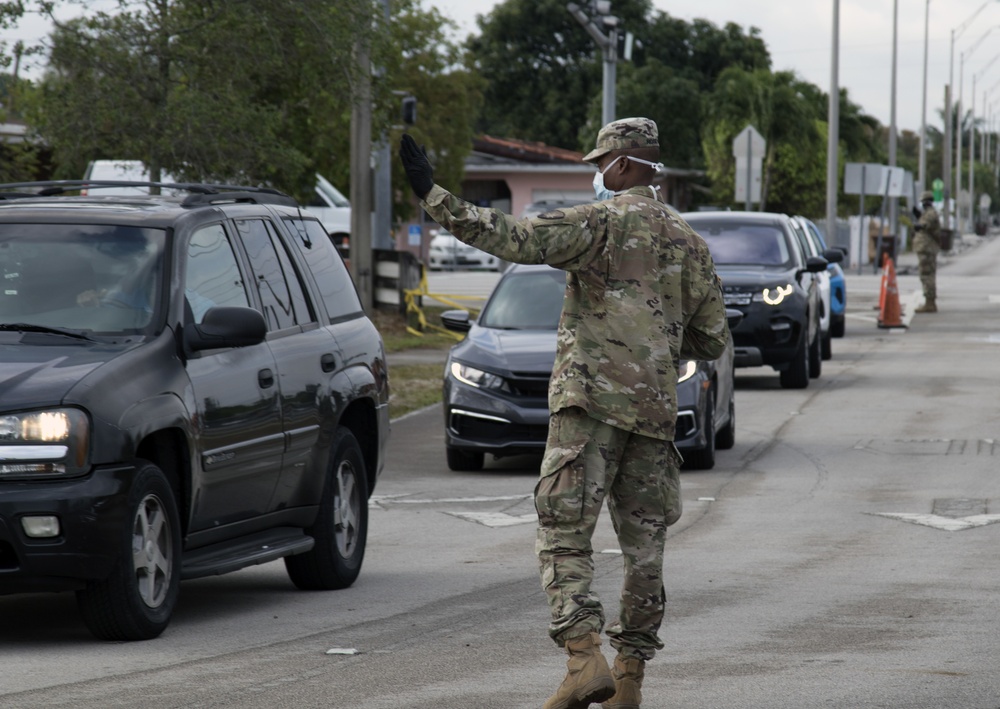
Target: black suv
{"type": "Point", "coordinates": [769, 278]}
{"type": "Point", "coordinates": [188, 385]}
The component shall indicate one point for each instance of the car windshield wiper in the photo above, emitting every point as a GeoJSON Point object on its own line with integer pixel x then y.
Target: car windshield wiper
{"type": "Point", "coordinates": [28, 327]}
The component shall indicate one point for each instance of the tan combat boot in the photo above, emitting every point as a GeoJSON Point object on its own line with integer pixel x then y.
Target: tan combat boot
{"type": "Point", "coordinates": [589, 678]}
{"type": "Point", "coordinates": [929, 306]}
{"type": "Point", "coordinates": [628, 673]}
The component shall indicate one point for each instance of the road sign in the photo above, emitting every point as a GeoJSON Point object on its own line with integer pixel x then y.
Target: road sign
{"type": "Point", "coordinates": [748, 149]}
{"type": "Point", "coordinates": [755, 171]}
{"type": "Point", "coordinates": [862, 178]}
{"type": "Point", "coordinates": [893, 183]}
{"type": "Point", "coordinates": [749, 140]}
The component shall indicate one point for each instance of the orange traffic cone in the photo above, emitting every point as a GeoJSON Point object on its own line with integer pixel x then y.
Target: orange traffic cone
{"type": "Point", "coordinates": [889, 314]}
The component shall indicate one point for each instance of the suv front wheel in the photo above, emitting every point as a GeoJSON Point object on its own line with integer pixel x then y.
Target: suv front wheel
{"type": "Point", "coordinates": [341, 527]}
{"type": "Point", "coordinates": [136, 600]}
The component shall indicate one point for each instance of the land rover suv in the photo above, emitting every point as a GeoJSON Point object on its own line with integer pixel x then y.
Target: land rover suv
{"type": "Point", "coordinates": [188, 386]}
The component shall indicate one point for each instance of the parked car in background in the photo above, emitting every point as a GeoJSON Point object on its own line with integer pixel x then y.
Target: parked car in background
{"type": "Point", "coordinates": [496, 380]}
{"type": "Point", "coordinates": [550, 205]}
{"type": "Point", "coordinates": [767, 275]}
{"type": "Point", "coordinates": [814, 247]}
{"type": "Point", "coordinates": [190, 386]}
{"type": "Point", "coordinates": [447, 252]}
{"type": "Point", "coordinates": [838, 284]}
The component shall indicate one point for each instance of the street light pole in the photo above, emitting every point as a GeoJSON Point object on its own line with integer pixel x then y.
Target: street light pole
{"type": "Point", "coordinates": [972, 154]}
{"type": "Point", "coordinates": [893, 201]}
{"type": "Point", "coordinates": [833, 131]}
{"type": "Point", "coordinates": [609, 47]}
{"type": "Point", "coordinates": [950, 119]}
{"type": "Point", "coordinates": [922, 168]}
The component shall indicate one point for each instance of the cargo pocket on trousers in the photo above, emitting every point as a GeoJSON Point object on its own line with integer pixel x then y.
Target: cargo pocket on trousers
{"type": "Point", "coordinates": [559, 492]}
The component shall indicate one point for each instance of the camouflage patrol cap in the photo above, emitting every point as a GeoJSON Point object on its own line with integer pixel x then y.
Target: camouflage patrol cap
{"type": "Point", "coordinates": [926, 196]}
{"type": "Point", "coordinates": [623, 134]}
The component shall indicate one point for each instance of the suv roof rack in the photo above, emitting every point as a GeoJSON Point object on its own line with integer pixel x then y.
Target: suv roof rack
{"type": "Point", "coordinates": [201, 193]}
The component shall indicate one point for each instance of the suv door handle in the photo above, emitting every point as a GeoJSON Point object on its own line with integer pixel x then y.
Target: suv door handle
{"type": "Point", "coordinates": [265, 378]}
{"type": "Point", "coordinates": [328, 362]}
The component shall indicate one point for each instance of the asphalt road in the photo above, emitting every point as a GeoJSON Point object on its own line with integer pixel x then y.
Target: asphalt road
{"type": "Point", "coordinates": [842, 554]}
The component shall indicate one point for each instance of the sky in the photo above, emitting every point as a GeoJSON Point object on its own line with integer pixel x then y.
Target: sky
{"type": "Point", "coordinates": [799, 36]}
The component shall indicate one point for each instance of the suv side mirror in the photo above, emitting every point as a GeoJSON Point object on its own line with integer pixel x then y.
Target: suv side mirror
{"type": "Point", "coordinates": [816, 264]}
{"type": "Point", "coordinates": [457, 320]}
{"type": "Point", "coordinates": [226, 327]}
{"type": "Point", "coordinates": [833, 255]}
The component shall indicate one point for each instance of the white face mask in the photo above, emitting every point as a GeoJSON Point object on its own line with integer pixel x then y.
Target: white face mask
{"type": "Point", "coordinates": [600, 190]}
{"type": "Point", "coordinates": [603, 192]}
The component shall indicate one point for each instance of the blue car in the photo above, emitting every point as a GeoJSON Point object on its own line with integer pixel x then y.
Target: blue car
{"type": "Point", "coordinates": [838, 287]}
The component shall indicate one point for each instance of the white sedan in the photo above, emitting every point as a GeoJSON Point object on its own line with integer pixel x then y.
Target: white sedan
{"type": "Point", "coordinates": [447, 252]}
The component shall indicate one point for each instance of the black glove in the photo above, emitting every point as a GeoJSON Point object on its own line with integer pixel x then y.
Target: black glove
{"type": "Point", "coordinates": [918, 227]}
{"type": "Point", "coordinates": [418, 168]}
{"type": "Point", "coordinates": [916, 212]}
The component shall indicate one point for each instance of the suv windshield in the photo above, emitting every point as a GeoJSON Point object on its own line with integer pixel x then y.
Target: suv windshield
{"type": "Point", "coordinates": [733, 244]}
{"type": "Point", "coordinates": [96, 278]}
{"type": "Point", "coordinates": [526, 301]}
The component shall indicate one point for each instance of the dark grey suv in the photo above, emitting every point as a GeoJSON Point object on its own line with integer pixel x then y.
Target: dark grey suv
{"type": "Point", "coordinates": [768, 277]}
{"type": "Point", "coordinates": [188, 386]}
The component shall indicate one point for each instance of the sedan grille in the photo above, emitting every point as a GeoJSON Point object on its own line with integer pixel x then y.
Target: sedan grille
{"type": "Point", "coordinates": [529, 384]}
{"type": "Point", "coordinates": [491, 430]}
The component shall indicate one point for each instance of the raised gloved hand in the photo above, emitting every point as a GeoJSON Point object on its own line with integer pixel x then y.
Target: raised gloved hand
{"type": "Point", "coordinates": [916, 212]}
{"type": "Point", "coordinates": [418, 167]}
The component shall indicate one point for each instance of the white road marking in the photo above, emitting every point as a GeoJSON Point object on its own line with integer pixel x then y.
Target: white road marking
{"type": "Point", "coordinates": [948, 524]}
{"type": "Point", "coordinates": [994, 299]}
{"type": "Point", "coordinates": [405, 500]}
{"type": "Point", "coordinates": [495, 519]}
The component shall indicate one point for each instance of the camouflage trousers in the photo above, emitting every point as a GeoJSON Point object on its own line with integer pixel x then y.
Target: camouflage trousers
{"type": "Point", "coordinates": [585, 462]}
{"type": "Point", "coordinates": [926, 248]}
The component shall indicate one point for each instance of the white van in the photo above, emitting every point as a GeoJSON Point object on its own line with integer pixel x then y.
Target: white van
{"type": "Point", "coordinates": [331, 207]}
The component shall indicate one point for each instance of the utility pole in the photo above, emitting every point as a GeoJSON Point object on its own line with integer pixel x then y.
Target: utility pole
{"type": "Point", "coordinates": [893, 201]}
{"type": "Point", "coordinates": [922, 168]}
{"type": "Point", "coordinates": [361, 175]}
{"type": "Point", "coordinates": [833, 131]}
{"type": "Point", "coordinates": [382, 221]}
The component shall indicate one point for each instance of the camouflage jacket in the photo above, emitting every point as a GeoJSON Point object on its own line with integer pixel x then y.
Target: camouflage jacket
{"type": "Point", "coordinates": [641, 293]}
{"type": "Point", "coordinates": [930, 224]}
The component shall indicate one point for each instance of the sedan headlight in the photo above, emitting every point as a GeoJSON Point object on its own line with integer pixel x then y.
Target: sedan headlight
{"type": "Point", "coordinates": [686, 370]}
{"type": "Point", "coordinates": [38, 444]}
{"type": "Point", "coordinates": [774, 296]}
{"type": "Point", "coordinates": [477, 377]}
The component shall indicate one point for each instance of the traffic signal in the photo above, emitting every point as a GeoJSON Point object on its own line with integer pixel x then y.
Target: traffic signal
{"type": "Point", "coordinates": [409, 110]}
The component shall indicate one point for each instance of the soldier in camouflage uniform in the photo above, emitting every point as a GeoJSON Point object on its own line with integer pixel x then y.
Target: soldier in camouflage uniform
{"type": "Point", "coordinates": [927, 244]}
{"type": "Point", "coordinates": [641, 293]}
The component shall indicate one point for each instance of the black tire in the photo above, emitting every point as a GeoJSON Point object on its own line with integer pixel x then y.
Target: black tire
{"type": "Point", "coordinates": [796, 375]}
{"type": "Point", "coordinates": [341, 527]}
{"type": "Point", "coordinates": [464, 462]}
{"type": "Point", "coordinates": [837, 325]}
{"type": "Point", "coordinates": [704, 458]}
{"type": "Point", "coordinates": [136, 600]}
{"type": "Point", "coordinates": [726, 437]}
{"type": "Point", "coordinates": [816, 356]}
{"type": "Point", "coordinates": [827, 345]}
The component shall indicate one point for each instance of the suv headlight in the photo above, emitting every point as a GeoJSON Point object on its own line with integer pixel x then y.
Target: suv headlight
{"type": "Point", "coordinates": [38, 444]}
{"type": "Point", "coordinates": [686, 370]}
{"type": "Point", "coordinates": [477, 377]}
{"type": "Point", "coordinates": [774, 296]}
